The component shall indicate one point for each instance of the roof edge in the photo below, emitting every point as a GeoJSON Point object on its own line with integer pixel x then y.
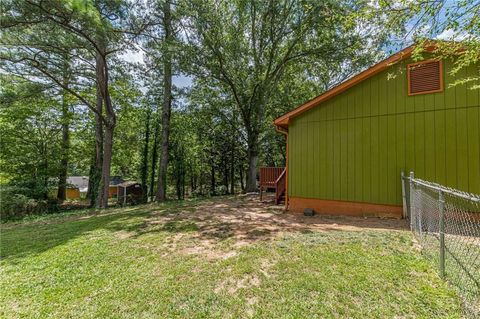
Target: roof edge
{"type": "Point", "coordinates": [284, 119]}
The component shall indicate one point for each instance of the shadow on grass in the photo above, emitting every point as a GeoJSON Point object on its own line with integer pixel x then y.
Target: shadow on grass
{"type": "Point", "coordinates": [24, 239]}
{"type": "Point", "coordinates": [243, 218]}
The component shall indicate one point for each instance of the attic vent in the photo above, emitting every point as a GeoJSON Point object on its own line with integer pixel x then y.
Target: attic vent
{"type": "Point", "coordinates": [425, 77]}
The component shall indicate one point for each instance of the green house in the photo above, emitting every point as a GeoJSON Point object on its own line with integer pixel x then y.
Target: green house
{"type": "Point", "coordinates": [346, 148]}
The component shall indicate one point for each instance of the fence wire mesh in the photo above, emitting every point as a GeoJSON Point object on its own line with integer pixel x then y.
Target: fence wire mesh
{"type": "Point", "coordinates": [446, 222]}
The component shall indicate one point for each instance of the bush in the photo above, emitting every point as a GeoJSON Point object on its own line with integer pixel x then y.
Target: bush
{"type": "Point", "coordinates": [14, 205]}
{"type": "Point", "coordinates": [222, 190]}
{"type": "Point", "coordinates": [199, 193]}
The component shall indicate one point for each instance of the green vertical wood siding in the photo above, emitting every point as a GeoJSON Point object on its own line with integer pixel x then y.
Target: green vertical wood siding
{"type": "Point", "coordinates": [354, 146]}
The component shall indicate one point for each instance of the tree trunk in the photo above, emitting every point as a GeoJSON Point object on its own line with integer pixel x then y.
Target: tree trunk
{"type": "Point", "coordinates": [90, 187]}
{"type": "Point", "coordinates": [99, 131]}
{"type": "Point", "coordinates": [232, 170]}
{"type": "Point", "coordinates": [154, 160]}
{"type": "Point", "coordinates": [179, 184]}
{"type": "Point", "coordinates": [109, 121]}
{"type": "Point", "coordinates": [62, 178]}
{"type": "Point", "coordinates": [226, 174]}
{"type": "Point", "coordinates": [184, 173]}
{"type": "Point", "coordinates": [167, 105]}
{"type": "Point", "coordinates": [240, 173]}
{"type": "Point", "coordinates": [144, 168]}
{"type": "Point", "coordinates": [251, 184]}
{"type": "Point", "coordinates": [107, 161]}
{"type": "Point", "coordinates": [212, 180]}
{"type": "Point", "coordinates": [96, 170]}
{"type": "Point", "coordinates": [192, 180]}
{"type": "Point", "coordinates": [45, 171]}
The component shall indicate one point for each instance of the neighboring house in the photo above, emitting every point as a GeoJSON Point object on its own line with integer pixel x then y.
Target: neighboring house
{"type": "Point", "coordinates": [76, 185]}
{"type": "Point", "coordinates": [79, 184]}
{"type": "Point", "coordinates": [114, 182]}
{"type": "Point", "coordinates": [72, 192]}
{"type": "Point", "coordinates": [347, 147]}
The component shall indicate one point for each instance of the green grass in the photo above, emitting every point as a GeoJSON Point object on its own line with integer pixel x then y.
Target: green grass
{"type": "Point", "coordinates": [131, 263]}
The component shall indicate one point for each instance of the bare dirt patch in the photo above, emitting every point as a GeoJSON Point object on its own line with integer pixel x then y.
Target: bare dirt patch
{"type": "Point", "coordinates": [123, 234]}
{"type": "Point", "coordinates": [242, 220]}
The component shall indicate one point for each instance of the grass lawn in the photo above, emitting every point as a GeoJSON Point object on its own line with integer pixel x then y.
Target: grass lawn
{"type": "Point", "coordinates": [222, 258]}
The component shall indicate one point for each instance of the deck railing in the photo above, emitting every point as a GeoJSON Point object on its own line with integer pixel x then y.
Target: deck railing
{"type": "Point", "coordinates": [269, 175]}
{"type": "Point", "coordinates": [273, 177]}
{"type": "Point", "coordinates": [280, 186]}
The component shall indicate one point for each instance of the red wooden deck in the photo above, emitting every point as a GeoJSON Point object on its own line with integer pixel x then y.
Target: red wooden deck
{"type": "Point", "coordinates": [273, 177]}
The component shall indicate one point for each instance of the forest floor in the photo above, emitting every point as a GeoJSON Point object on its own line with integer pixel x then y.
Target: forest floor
{"type": "Point", "coordinates": [225, 257]}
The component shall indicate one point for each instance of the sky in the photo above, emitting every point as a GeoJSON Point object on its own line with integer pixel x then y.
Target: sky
{"type": "Point", "coordinates": [132, 56]}
{"type": "Point", "coordinates": [181, 81]}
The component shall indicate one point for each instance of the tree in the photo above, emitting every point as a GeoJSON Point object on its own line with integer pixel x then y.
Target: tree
{"type": "Point", "coordinates": [218, 132]}
{"type": "Point", "coordinates": [65, 150]}
{"type": "Point", "coordinates": [167, 102]}
{"type": "Point", "coordinates": [154, 160]}
{"type": "Point", "coordinates": [30, 140]}
{"type": "Point", "coordinates": [94, 28]}
{"type": "Point", "coordinates": [145, 153]}
{"type": "Point", "coordinates": [247, 45]}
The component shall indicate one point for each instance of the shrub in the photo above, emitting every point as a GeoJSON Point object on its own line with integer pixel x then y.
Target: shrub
{"type": "Point", "coordinates": [222, 190]}
{"type": "Point", "coordinates": [15, 205]}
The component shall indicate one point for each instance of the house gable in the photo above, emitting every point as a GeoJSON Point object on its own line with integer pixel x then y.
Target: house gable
{"type": "Point", "coordinates": [353, 146]}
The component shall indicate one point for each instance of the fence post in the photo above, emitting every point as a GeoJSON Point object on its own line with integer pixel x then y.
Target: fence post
{"type": "Point", "coordinates": [404, 196]}
{"type": "Point", "coordinates": [441, 225]}
{"type": "Point", "coordinates": [411, 197]}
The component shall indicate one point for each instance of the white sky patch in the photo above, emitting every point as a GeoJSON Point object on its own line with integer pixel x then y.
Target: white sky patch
{"type": "Point", "coordinates": [182, 81]}
{"type": "Point", "coordinates": [451, 35]}
{"type": "Point", "coordinates": [133, 56]}
{"type": "Point", "coordinates": [138, 56]}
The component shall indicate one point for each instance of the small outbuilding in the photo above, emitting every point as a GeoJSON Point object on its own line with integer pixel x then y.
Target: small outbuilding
{"type": "Point", "coordinates": [72, 192]}
{"type": "Point", "coordinates": [129, 192]}
{"type": "Point", "coordinates": [114, 182]}
{"type": "Point", "coordinates": [76, 185]}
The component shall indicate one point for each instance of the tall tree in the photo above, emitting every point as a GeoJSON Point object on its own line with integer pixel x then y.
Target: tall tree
{"type": "Point", "coordinates": [154, 160]}
{"type": "Point", "coordinates": [92, 27]}
{"type": "Point", "coordinates": [246, 46]}
{"type": "Point", "coordinates": [31, 136]}
{"type": "Point", "coordinates": [96, 169]}
{"type": "Point", "coordinates": [145, 153]}
{"type": "Point", "coordinates": [109, 118]}
{"type": "Point", "coordinates": [167, 102]}
{"type": "Point", "coordinates": [65, 151]}
{"type": "Point", "coordinates": [218, 133]}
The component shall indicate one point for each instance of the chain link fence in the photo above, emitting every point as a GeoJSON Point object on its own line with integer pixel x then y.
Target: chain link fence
{"type": "Point", "coordinates": [446, 222]}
